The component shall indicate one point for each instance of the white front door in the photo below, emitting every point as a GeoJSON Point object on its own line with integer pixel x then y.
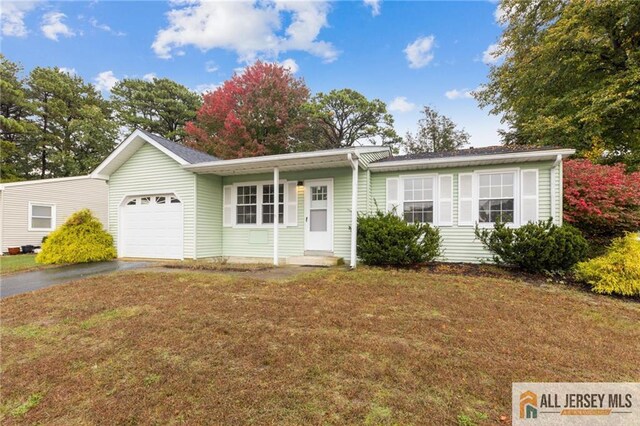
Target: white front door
{"type": "Point", "coordinates": [318, 215]}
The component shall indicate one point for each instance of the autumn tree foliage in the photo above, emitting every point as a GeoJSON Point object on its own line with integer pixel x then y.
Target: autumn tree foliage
{"type": "Point", "coordinates": [257, 112]}
{"type": "Point", "coordinates": [602, 201]}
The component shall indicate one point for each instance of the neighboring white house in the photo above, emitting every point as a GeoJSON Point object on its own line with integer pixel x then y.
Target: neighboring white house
{"type": "Point", "coordinates": [170, 201]}
{"type": "Point", "coordinates": [30, 210]}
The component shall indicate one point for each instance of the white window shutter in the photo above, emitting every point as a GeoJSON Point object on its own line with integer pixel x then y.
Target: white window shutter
{"type": "Point", "coordinates": [227, 205]}
{"type": "Point", "coordinates": [465, 199]}
{"type": "Point", "coordinates": [291, 213]}
{"type": "Point", "coordinates": [393, 195]}
{"type": "Point", "coordinates": [445, 200]}
{"type": "Point", "coordinates": [529, 196]}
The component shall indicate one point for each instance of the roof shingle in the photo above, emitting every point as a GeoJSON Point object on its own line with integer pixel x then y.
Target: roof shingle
{"type": "Point", "coordinates": [190, 155]}
{"type": "Point", "coordinates": [489, 150]}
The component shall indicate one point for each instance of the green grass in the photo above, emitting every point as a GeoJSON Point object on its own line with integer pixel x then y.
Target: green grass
{"type": "Point", "coordinates": [21, 262]}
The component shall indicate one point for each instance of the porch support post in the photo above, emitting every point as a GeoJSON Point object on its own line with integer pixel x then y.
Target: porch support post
{"type": "Point", "coordinates": [354, 208]}
{"type": "Point", "coordinates": [276, 212]}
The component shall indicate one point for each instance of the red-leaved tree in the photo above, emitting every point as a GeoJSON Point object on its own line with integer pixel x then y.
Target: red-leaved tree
{"type": "Point", "coordinates": [257, 112]}
{"type": "Point", "coordinates": [602, 201]}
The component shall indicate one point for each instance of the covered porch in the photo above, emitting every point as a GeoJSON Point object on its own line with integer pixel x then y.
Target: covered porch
{"type": "Point", "coordinates": [319, 197]}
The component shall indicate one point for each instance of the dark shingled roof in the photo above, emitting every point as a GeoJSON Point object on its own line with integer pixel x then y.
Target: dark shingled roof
{"type": "Point", "coordinates": [468, 152]}
{"type": "Point", "coordinates": [190, 155]}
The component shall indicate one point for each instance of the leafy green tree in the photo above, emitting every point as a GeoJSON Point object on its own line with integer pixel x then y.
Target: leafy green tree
{"type": "Point", "coordinates": [436, 133]}
{"type": "Point", "coordinates": [15, 109]}
{"type": "Point", "coordinates": [74, 130]}
{"type": "Point", "coordinates": [570, 77]}
{"type": "Point", "coordinates": [160, 106]}
{"type": "Point", "coordinates": [342, 118]}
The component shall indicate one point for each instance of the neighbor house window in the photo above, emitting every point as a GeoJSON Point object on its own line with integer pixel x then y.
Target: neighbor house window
{"type": "Point", "coordinates": [496, 197]}
{"type": "Point", "coordinates": [247, 205]}
{"type": "Point", "coordinates": [417, 204]}
{"type": "Point", "coordinates": [268, 204]}
{"type": "Point", "coordinates": [41, 217]}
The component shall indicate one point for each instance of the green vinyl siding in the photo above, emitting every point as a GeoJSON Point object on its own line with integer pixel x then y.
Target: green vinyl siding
{"type": "Point", "coordinates": [150, 171]}
{"type": "Point", "coordinates": [258, 241]}
{"type": "Point", "coordinates": [458, 242]}
{"type": "Point", "coordinates": [208, 216]}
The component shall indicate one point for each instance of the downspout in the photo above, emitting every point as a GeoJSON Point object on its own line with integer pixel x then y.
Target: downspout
{"type": "Point", "coordinates": [554, 189]}
{"type": "Point", "coordinates": [354, 208]}
{"type": "Point", "coordinates": [276, 212]}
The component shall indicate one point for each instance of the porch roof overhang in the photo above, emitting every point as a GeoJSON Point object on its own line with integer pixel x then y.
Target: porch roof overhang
{"type": "Point", "coordinates": [476, 160]}
{"type": "Point", "coordinates": [284, 162]}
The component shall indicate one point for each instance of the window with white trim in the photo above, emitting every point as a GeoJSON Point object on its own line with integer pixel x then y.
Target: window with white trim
{"type": "Point", "coordinates": [247, 205]}
{"type": "Point", "coordinates": [418, 196]}
{"type": "Point", "coordinates": [268, 204]}
{"type": "Point", "coordinates": [41, 217]}
{"type": "Point", "coordinates": [496, 197]}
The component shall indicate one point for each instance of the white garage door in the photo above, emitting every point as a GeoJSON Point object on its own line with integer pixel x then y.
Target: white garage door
{"type": "Point", "coordinates": [151, 226]}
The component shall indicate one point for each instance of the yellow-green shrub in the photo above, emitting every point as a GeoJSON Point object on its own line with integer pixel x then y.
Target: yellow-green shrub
{"type": "Point", "coordinates": [616, 272]}
{"type": "Point", "coordinates": [80, 239]}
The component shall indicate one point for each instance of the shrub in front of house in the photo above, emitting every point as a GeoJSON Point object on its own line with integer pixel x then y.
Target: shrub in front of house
{"type": "Point", "coordinates": [384, 239]}
{"type": "Point", "coordinates": [535, 247]}
{"type": "Point", "coordinates": [81, 239]}
{"type": "Point", "coordinates": [617, 271]}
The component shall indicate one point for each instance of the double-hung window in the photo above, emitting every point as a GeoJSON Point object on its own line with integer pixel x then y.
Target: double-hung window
{"type": "Point", "coordinates": [247, 205]}
{"type": "Point", "coordinates": [496, 197]}
{"type": "Point", "coordinates": [41, 217]}
{"type": "Point", "coordinates": [268, 204]}
{"type": "Point", "coordinates": [418, 198]}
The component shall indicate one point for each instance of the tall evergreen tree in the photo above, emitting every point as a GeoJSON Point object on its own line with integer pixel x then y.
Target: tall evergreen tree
{"type": "Point", "coordinates": [160, 106]}
{"type": "Point", "coordinates": [15, 110]}
{"type": "Point", "coordinates": [74, 130]}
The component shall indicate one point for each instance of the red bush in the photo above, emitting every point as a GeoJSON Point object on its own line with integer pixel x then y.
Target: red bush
{"type": "Point", "coordinates": [602, 201]}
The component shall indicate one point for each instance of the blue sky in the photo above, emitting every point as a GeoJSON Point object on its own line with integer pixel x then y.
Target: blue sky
{"type": "Point", "coordinates": [408, 54]}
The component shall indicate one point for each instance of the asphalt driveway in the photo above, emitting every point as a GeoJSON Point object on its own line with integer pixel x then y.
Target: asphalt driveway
{"type": "Point", "coordinates": [30, 281]}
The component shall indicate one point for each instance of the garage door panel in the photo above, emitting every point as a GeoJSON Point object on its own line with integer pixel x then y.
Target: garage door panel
{"type": "Point", "coordinates": [152, 230]}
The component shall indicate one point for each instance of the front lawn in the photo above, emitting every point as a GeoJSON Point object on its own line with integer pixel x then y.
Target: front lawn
{"type": "Point", "coordinates": [331, 346]}
{"type": "Point", "coordinates": [17, 263]}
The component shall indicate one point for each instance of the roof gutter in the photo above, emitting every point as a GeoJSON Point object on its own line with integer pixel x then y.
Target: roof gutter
{"type": "Point", "coordinates": [384, 165]}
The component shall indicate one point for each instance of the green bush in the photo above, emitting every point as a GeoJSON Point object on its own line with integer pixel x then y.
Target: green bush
{"type": "Point", "coordinates": [386, 239]}
{"type": "Point", "coordinates": [535, 247]}
{"type": "Point", "coordinates": [618, 271]}
{"type": "Point", "coordinates": [80, 239]}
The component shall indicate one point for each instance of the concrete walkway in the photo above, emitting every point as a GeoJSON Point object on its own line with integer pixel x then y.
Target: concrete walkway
{"type": "Point", "coordinates": [30, 281]}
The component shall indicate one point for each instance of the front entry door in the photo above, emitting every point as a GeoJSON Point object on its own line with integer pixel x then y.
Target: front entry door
{"type": "Point", "coordinates": [318, 215]}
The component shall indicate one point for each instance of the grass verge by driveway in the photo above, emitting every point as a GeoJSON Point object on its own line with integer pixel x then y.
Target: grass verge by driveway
{"type": "Point", "coordinates": [331, 346]}
{"type": "Point", "coordinates": [18, 263]}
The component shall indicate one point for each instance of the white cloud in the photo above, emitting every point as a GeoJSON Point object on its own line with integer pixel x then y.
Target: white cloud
{"type": "Point", "coordinates": [251, 29]}
{"type": "Point", "coordinates": [291, 65]}
{"type": "Point", "coordinates": [500, 14]}
{"type": "Point", "coordinates": [52, 26]}
{"type": "Point", "coordinates": [419, 52]}
{"type": "Point", "coordinates": [458, 94]}
{"type": "Point", "coordinates": [104, 27]}
{"type": "Point", "coordinates": [401, 104]}
{"type": "Point", "coordinates": [374, 5]}
{"type": "Point", "coordinates": [206, 88]}
{"type": "Point", "coordinates": [12, 16]}
{"type": "Point", "coordinates": [70, 71]}
{"type": "Point", "coordinates": [149, 76]}
{"type": "Point", "coordinates": [211, 66]}
{"type": "Point", "coordinates": [105, 81]}
{"type": "Point", "coordinates": [491, 55]}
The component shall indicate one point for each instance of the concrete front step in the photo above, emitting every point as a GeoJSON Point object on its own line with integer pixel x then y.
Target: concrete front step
{"type": "Point", "coordinates": [315, 260]}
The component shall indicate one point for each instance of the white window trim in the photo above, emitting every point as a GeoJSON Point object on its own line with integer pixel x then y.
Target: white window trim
{"type": "Point", "coordinates": [401, 200]}
{"type": "Point", "coordinates": [516, 196]}
{"type": "Point", "coordinates": [53, 216]}
{"type": "Point", "coordinates": [258, 224]}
